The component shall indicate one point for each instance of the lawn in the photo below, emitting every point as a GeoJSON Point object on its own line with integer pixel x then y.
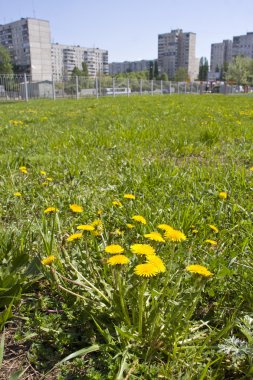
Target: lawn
{"type": "Point", "coordinates": [126, 238]}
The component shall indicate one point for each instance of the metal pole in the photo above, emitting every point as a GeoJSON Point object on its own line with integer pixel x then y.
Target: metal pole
{"type": "Point", "coordinates": [170, 87]}
{"type": "Point", "coordinates": [141, 87]}
{"type": "Point", "coordinates": [178, 87]}
{"type": "Point", "coordinates": [152, 87]}
{"type": "Point", "coordinates": [127, 86]}
{"type": "Point", "coordinates": [26, 89]}
{"type": "Point", "coordinates": [76, 87]}
{"type": "Point", "coordinates": [161, 87]}
{"type": "Point", "coordinates": [97, 87]}
{"type": "Point", "coordinates": [113, 87]}
{"type": "Point", "coordinates": [53, 87]}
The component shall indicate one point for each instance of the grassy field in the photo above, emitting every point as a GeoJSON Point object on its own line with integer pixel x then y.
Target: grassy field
{"type": "Point", "coordinates": [126, 238]}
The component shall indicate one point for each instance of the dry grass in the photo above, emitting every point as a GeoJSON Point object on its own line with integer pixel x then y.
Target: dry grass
{"type": "Point", "coordinates": [16, 359]}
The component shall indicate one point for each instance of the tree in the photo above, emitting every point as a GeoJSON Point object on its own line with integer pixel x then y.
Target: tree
{"type": "Point", "coordinates": [250, 75]}
{"type": "Point", "coordinates": [203, 69]}
{"type": "Point", "coordinates": [239, 70]}
{"type": "Point", "coordinates": [156, 72]}
{"type": "Point", "coordinates": [164, 77]}
{"type": "Point", "coordinates": [76, 72]}
{"type": "Point", "coordinates": [224, 70]}
{"type": "Point", "coordinates": [181, 75]}
{"type": "Point", "coordinates": [133, 75]}
{"type": "Point", "coordinates": [151, 70]}
{"type": "Point", "coordinates": [85, 71]}
{"type": "Point", "coordinates": [5, 61]}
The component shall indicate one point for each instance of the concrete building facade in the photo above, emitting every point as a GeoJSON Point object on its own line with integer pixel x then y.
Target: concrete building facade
{"type": "Point", "coordinates": [220, 54]}
{"type": "Point", "coordinates": [177, 49]}
{"type": "Point", "coordinates": [129, 66]}
{"type": "Point", "coordinates": [66, 57]}
{"type": "Point", "coordinates": [243, 45]}
{"type": "Point", "coordinates": [29, 43]}
{"type": "Point", "coordinates": [225, 51]}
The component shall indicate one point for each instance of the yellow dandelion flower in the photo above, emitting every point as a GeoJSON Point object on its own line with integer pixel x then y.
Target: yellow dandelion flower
{"type": "Point", "coordinates": [86, 227]}
{"type": "Point", "coordinates": [139, 218]}
{"type": "Point", "coordinates": [223, 195]}
{"type": "Point", "coordinates": [251, 168]}
{"type": "Point", "coordinates": [42, 172]}
{"type": "Point", "coordinates": [117, 203]}
{"type": "Point", "coordinates": [174, 235]}
{"type": "Point", "coordinates": [75, 236]}
{"type": "Point", "coordinates": [114, 249]}
{"type": "Point", "coordinates": [164, 227]}
{"type": "Point", "coordinates": [50, 209]}
{"type": "Point", "coordinates": [76, 208]}
{"type": "Point", "coordinates": [142, 249]}
{"type": "Point", "coordinates": [214, 228]}
{"type": "Point", "coordinates": [48, 260]}
{"type": "Point", "coordinates": [212, 242]}
{"type": "Point", "coordinates": [157, 262]}
{"type": "Point", "coordinates": [99, 212]}
{"type": "Point", "coordinates": [118, 260]}
{"type": "Point", "coordinates": [49, 179]}
{"type": "Point", "coordinates": [98, 227]}
{"type": "Point", "coordinates": [155, 236]}
{"type": "Point", "coordinates": [129, 196]}
{"type": "Point", "coordinates": [199, 269]}
{"type": "Point", "coordinates": [23, 169]}
{"type": "Point", "coordinates": [44, 183]}
{"type": "Point", "coordinates": [17, 194]}
{"type": "Point", "coordinates": [130, 226]}
{"type": "Point", "coordinates": [146, 270]}
{"type": "Point", "coordinates": [195, 231]}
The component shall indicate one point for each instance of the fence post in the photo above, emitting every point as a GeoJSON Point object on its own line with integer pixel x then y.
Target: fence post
{"type": "Point", "coordinates": [178, 87]}
{"type": "Point", "coordinates": [127, 86]}
{"type": "Point", "coordinates": [161, 87]}
{"type": "Point", "coordinates": [201, 88]}
{"type": "Point", "coordinates": [170, 87]}
{"type": "Point", "coordinates": [26, 89]}
{"type": "Point", "coordinates": [76, 87]}
{"type": "Point", "coordinates": [225, 88]}
{"type": "Point", "coordinates": [185, 87]}
{"type": "Point", "coordinates": [152, 87]}
{"type": "Point", "coordinates": [113, 87]}
{"type": "Point", "coordinates": [141, 87]}
{"type": "Point", "coordinates": [53, 87]}
{"type": "Point", "coordinates": [97, 87]}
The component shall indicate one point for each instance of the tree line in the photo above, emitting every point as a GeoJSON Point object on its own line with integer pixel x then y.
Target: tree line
{"type": "Point", "coordinates": [238, 71]}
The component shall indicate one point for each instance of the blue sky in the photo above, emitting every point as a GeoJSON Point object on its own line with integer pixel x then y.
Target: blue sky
{"type": "Point", "coordinates": [129, 29]}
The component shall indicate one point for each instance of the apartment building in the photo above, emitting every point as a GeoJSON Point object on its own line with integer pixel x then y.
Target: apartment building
{"type": "Point", "coordinates": [220, 53]}
{"type": "Point", "coordinates": [66, 57]}
{"type": "Point", "coordinates": [29, 43]}
{"type": "Point", "coordinates": [97, 61]}
{"type": "Point", "coordinates": [130, 66]}
{"type": "Point", "coordinates": [177, 49]}
{"type": "Point", "coordinates": [243, 45]}
{"type": "Point", "coordinates": [228, 49]}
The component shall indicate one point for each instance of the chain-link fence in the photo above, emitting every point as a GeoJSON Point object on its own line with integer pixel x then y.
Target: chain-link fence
{"type": "Point", "coordinates": [22, 87]}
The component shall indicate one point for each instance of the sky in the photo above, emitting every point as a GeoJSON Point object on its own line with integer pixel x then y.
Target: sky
{"type": "Point", "coordinates": [129, 29]}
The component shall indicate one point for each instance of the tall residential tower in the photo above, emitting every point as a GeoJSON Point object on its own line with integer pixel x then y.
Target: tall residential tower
{"type": "Point", "coordinates": [66, 57]}
{"type": "Point", "coordinates": [29, 42]}
{"type": "Point", "coordinates": [221, 53]}
{"type": "Point", "coordinates": [175, 50]}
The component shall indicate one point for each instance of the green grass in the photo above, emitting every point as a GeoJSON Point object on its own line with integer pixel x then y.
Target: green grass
{"type": "Point", "coordinates": [175, 154]}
